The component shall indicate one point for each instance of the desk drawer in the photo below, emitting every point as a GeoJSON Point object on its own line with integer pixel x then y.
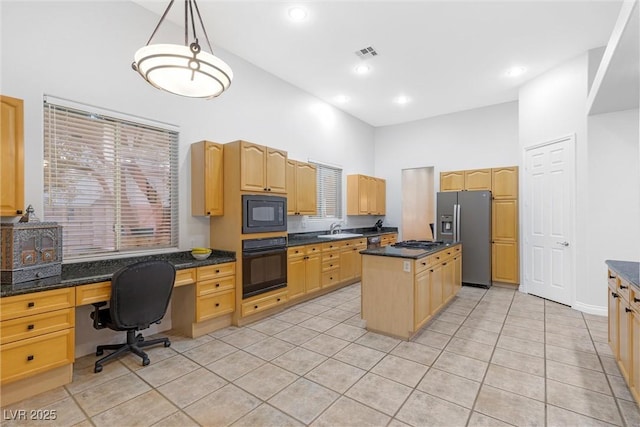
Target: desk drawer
{"type": "Point", "coordinates": [262, 304]}
{"type": "Point", "coordinates": [185, 277]}
{"type": "Point", "coordinates": [95, 292]}
{"type": "Point", "coordinates": [36, 302]}
{"type": "Point", "coordinates": [24, 358]}
{"type": "Point", "coordinates": [215, 271]}
{"type": "Point", "coordinates": [210, 286]}
{"type": "Point", "coordinates": [37, 324]}
{"type": "Point", "coordinates": [213, 305]}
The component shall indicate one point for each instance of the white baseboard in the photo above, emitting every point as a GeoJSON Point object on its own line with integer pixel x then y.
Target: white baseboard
{"type": "Point", "coordinates": [591, 309]}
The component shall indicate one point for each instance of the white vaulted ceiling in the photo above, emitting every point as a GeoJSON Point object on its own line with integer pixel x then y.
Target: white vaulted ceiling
{"type": "Point", "coordinates": [446, 56]}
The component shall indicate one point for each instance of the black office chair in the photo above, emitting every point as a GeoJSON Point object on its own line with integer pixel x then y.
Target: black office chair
{"type": "Point", "coordinates": [140, 296]}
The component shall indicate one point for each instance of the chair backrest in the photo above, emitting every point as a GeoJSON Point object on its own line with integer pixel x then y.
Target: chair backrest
{"type": "Point", "coordinates": [140, 293]}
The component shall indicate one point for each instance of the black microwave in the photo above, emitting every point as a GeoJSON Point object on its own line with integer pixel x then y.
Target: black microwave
{"type": "Point", "coordinates": [263, 213]}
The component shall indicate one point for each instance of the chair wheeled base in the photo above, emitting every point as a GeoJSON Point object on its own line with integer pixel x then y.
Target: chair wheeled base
{"type": "Point", "coordinates": [134, 344]}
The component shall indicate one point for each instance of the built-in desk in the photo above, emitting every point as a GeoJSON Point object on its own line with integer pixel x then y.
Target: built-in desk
{"type": "Point", "coordinates": [37, 319]}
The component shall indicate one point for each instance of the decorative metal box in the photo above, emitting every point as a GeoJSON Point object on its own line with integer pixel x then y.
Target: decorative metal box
{"type": "Point", "coordinates": [30, 250]}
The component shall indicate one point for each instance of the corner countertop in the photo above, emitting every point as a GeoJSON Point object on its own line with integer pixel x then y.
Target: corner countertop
{"type": "Point", "coordinates": [628, 270]}
{"type": "Point", "coordinates": [392, 251]}
{"type": "Point", "coordinates": [311, 238]}
{"type": "Point", "coordinates": [84, 273]}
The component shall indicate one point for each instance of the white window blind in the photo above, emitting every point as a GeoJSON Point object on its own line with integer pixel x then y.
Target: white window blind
{"type": "Point", "coordinates": [329, 191]}
{"type": "Point", "coordinates": [110, 182]}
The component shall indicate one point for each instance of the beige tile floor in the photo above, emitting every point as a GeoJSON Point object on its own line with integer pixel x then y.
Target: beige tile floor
{"type": "Point", "coordinates": [491, 358]}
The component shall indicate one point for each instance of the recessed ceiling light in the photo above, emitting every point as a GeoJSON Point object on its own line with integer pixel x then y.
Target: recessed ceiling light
{"type": "Point", "coordinates": [402, 99]}
{"type": "Point", "coordinates": [342, 99]}
{"type": "Point", "coordinates": [515, 71]}
{"type": "Point", "coordinates": [297, 14]}
{"type": "Point", "coordinates": [362, 69]}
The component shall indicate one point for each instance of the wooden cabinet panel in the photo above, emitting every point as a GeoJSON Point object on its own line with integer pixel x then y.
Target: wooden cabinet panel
{"type": "Point", "coordinates": [504, 260]}
{"type": "Point", "coordinates": [11, 156]}
{"type": "Point", "coordinates": [313, 273]}
{"type": "Point", "coordinates": [504, 220]}
{"type": "Point", "coordinates": [613, 300]}
{"type": "Point", "coordinates": [301, 188]}
{"type": "Point", "coordinates": [207, 179]}
{"type": "Point", "coordinates": [452, 181]}
{"type": "Point", "coordinates": [437, 296]}
{"type": "Point", "coordinates": [92, 293]}
{"type": "Point", "coordinates": [381, 196]}
{"type": "Point", "coordinates": [263, 303]}
{"type": "Point", "coordinates": [504, 183]}
{"type": "Point", "coordinates": [276, 170]}
{"type": "Point", "coordinates": [422, 310]}
{"type": "Point", "coordinates": [477, 179]}
{"type": "Point", "coordinates": [366, 195]}
{"type": "Point", "coordinates": [215, 271]}
{"type": "Point", "coordinates": [215, 304]}
{"type": "Point", "coordinates": [634, 383]}
{"type": "Point", "coordinates": [37, 324]}
{"type": "Point", "coordinates": [185, 277]}
{"type": "Point", "coordinates": [296, 274]}
{"type": "Point", "coordinates": [253, 167]}
{"type": "Point", "coordinates": [35, 303]}
{"type": "Point", "coordinates": [206, 287]}
{"type": "Point", "coordinates": [624, 337]}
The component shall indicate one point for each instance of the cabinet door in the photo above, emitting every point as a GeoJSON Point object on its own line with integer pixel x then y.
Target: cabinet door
{"type": "Point", "coordinates": [276, 171]}
{"type": "Point", "coordinates": [347, 265]}
{"type": "Point", "coordinates": [381, 196]}
{"type": "Point", "coordinates": [372, 195]}
{"type": "Point", "coordinates": [448, 276]}
{"type": "Point", "coordinates": [504, 261]}
{"type": "Point", "coordinates": [635, 354]}
{"type": "Point", "coordinates": [624, 318]}
{"type": "Point", "coordinates": [363, 194]}
{"type": "Point", "coordinates": [357, 263]}
{"type": "Point", "coordinates": [213, 190]}
{"type": "Point", "coordinates": [457, 274]}
{"type": "Point", "coordinates": [477, 179]}
{"type": "Point", "coordinates": [253, 167]}
{"type": "Point", "coordinates": [436, 299]}
{"type": "Point", "coordinates": [452, 181]}
{"type": "Point", "coordinates": [296, 276]}
{"type": "Point", "coordinates": [422, 303]}
{"type": "Point", "coordinates": [504, 219]}
{"type": "Point", "coordinates": [313, 273]}
{"type": "Point", "coordinates": [504, 183]}
{"type": "Point", "coordinates": [614, 332]}
{"type": "Point", "coordinates": [306, 189]}
{"type": "Point", "coordinates": [292, 194]}
{"type": "Point", "coordinates": [11, 156]}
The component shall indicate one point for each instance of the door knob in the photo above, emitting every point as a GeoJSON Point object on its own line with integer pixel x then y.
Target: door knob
{"type": "Point", "coordinates": [565, 244]}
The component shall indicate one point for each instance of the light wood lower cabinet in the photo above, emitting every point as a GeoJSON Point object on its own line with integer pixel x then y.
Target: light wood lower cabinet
{"type": "Point", "coordinates": [399, 295]}
{"type": "Point", "coordinates": [304, 270]}
{"type": "Point", "coordinates": [624, 329]}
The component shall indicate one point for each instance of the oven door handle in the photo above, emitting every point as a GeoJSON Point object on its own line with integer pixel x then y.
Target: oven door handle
{"type": "Point", "coordinates": [261, 252]}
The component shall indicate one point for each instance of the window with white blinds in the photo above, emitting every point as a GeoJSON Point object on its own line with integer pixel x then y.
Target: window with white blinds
{"type": "Point", "coordinates": [329, 191]}
{"type": "Point", "coordinates": [111, 182]}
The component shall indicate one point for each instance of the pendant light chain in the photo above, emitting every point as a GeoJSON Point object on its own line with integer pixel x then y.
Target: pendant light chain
{"type": "Point", "coordinates": [164, 15]}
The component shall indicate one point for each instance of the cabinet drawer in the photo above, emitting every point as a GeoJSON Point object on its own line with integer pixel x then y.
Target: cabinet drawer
{"type": "Point", "coordinates": [37, 324]}
{"type": "Point", "coordinates": [185, 277]}
{"type": "Point", "coordinates": [422, 264]}
{"type": "Point", "coordinates": [24, 358]}
{"type": "Point", "coordinates": [214, 271]}
{"type": "Point", "coordinates": [330, 246]}
{"type": "Point", "coordinates": [623, 288]}
{"type": "Point", "coordinates": [213, 305]}
{"type": "Point", "coordinates": [95, 292]}
{"type": "Point", "coordinates": [312, 249]}
{"type": "Point", "coordinates": [264, 303]}
{"type": "Point", "coordinates": [37, 302]}
{"type": "Point", "coordinates": [332, 264]}
{"type": "Point", "coordinates": [612, 280]}
{"type": "Point", "coordinates": [330, 256]}
{"type": "Point", "coordinates": [330, 278]}
{"type": "Point", "coordinates": [210, 286]}
{"type": "Point", "coordinates": [295, 252]}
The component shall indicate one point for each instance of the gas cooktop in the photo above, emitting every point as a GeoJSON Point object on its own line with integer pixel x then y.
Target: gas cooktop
{"type": "Point", "coordinates": [418, 244]}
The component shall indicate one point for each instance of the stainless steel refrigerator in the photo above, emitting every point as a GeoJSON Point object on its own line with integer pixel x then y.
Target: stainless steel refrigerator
{"type": "Point", "coordinates": [465, 216]}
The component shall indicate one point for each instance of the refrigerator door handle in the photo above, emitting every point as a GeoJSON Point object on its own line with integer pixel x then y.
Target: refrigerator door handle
{"type": "Point", "coordinates": [455, 222]}
{"type": "Point", "coordinates": [458, 224]}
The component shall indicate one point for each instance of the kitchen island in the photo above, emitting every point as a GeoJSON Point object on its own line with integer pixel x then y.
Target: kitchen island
{"type": "Point", "coordinates": [403, 288]}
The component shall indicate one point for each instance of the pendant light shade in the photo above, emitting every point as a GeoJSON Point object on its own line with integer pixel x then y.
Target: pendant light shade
{"type": "Point", "coordinates": [184, 70]}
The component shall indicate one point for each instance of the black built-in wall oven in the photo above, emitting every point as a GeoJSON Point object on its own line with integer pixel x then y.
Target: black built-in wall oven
{"type": "Point", "coordinates": [263, 213]}
{"type": "Point", "coordinates": [264, 265]}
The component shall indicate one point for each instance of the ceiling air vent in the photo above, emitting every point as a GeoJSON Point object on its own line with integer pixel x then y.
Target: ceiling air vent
{"type": "Point", "coordinates": [366, 53]}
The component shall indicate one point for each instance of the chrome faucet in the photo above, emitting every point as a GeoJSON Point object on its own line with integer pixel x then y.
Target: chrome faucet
{"type": "Point", "coordinates": [335, 226]}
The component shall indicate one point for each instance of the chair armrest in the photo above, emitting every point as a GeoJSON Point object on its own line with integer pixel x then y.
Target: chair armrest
{"type": "Point", "coordinates": [96, 315]}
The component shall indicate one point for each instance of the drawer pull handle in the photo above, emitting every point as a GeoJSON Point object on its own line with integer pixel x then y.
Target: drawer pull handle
{"type": "Point", "coordinates": [217, 285]}
{"type": "Point", "coordinates": [424, 263]}
{"type": "Point", "coordinates": [255, 306]}
{"type": "Point", "coordinates": [613, 294]}
{"type": "Point", "coordinates": [278, 299]}
{"type": "Point", "coordinates": [30, 357]}
{"type": "Point", "coordinates": [31, 304]}
{"type": "Point", "coordinates": [217, 271]}
{"type": "Point", "coordinates": [612, 276]}
{"type": "Point", "coordinates": [31, 326]}
{"type": "Point", "coordinates": [624, 287]}
{"type": "Point", "coordinates": [444, 263]}
{"type": "Point", "coordinates": [627, 310]}
{"type": "Point", "coordinates": [636, 299]}
{"type": "Point", "coordinates": [217, 304]}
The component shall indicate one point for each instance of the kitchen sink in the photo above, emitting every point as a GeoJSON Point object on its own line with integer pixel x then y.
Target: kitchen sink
{"type": "Point", "coordinates": [339, 235]}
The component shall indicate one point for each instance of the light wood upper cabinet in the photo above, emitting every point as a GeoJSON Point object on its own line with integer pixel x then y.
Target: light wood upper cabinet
{"type": "Point", "coordinates": [477, 179]}
{"type": "Point", "coordinates": [11, 156]}
{"type": "Point", "coordinates": [262, 169]}
{"type": "Point", "coordinates": [207, 179]}
{"type": "Point", "coordinates": [452, 181]}
{"type": "Point", "coordinates": [366, 195]}
{"type": "Point", "coordinates": [301, 188]}
{"type": "Point", "coordinates": [504, 216]}
{"type": "Point", "coordinates": [504, 183]}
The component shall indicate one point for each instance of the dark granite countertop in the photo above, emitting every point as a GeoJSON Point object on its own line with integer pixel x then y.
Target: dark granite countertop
{"type": "Point", "coordinates": [310, 238]}
{"type": "Point", "coordinates": [83, 273]}
{"type": "Point", "coordinates": [628, 270]}
{"type": "Point", "coordinates": [393, 251]}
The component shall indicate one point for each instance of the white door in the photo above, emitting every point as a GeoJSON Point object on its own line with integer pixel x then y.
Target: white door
{"type": "Point", "coordinates": [549, 219]}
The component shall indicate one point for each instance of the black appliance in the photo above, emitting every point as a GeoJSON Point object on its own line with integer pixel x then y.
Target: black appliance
{"type": "Point", "coordinates": [418, 244]}
{"type": "Point", "coordinates": [263, 213]}
{"type": "Point", "coordinates": [264, 265]}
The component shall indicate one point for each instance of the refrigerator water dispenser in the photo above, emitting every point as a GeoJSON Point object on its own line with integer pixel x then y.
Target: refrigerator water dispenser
{"type": "Point", "coordinates": [446, 225]}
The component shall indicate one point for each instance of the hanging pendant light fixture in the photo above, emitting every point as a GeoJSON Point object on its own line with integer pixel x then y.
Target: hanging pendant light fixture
{"type": "Point", "coordinates": [185, 70]}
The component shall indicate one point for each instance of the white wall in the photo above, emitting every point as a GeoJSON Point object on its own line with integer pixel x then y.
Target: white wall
{"type": "Point", "coordinates": [553, 105]}
{"type": "Point", "coordinates": [480, 138]}
{"type": "Point", "coordinates": [83, 51]}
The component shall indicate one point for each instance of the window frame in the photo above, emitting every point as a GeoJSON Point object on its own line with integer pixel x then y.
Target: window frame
{"type": "Point", "coordinates": [322, 168]}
